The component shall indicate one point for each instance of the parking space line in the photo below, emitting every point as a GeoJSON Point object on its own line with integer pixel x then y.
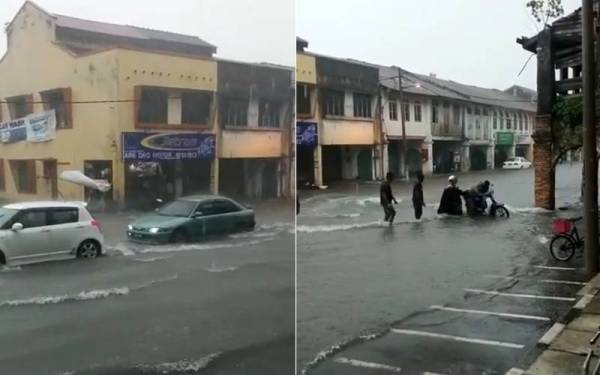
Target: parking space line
{"type": "Point", "coordinates": [515, 371]}
{"type": "Point", "coordinates": [458, 338]}
{"type": "Point", "coordinates": [432, 373]}
{"type": "Point", "coordinates": [517, 295]}
{"type": "Point", "coordinates": [547, 281]}
{"type": "Point", "coordinates": [481, 312]}
{"type": "Point", "coordinates": [556, 268]}
{"type": "Point", "coordinates": [363, 364]}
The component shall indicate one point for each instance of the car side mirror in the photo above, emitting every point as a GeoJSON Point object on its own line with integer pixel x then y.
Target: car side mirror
{"type": "Point", "coordinates": [17, 227]}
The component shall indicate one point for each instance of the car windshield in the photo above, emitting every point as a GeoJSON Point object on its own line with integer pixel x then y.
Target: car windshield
{"type": "Point", "coordinates": [179, 208]}
{"type": "Point", "coordinates": [5, 215]}
{"type": "Point", "coordinates": [511, 160]}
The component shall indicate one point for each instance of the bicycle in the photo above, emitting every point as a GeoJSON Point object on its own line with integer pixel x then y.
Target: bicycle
{"type": "Point", "coordinates": [566, 239]}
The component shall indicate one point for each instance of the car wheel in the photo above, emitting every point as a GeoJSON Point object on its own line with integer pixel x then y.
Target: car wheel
{"type": "Point", "coordinates": [89, 249]}
{"type": "Point", "coordinates": [180, 235]}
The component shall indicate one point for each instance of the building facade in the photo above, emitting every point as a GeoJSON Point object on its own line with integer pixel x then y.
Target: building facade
{"type": "Point", "coordinates": [448, 126]}
{"type": "Point", "coordinates": [143, 109]}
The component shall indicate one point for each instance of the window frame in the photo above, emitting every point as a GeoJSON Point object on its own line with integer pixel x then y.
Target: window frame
{"type": "Point", "coordinates": [27, 102]}
{"type": "Point", "coordinates": [305, 90]}
{"type": "Point", "coordinates": [273, 113]}
{"type": "Point", "coordinates": [361, 104]}
{"type": "Point", "coordinates": [241, 109]}
{"type": "Point", "coordinates": [206, 95]}
{"type": "Point", "coordinates": [67, 106]}
{"type": "Point", "coordinates": [336, 98]}
{"type": "Point", "coordinates": [30, 167]}
{"type": "Point", "coordinates": [2, 175]}
{"type": "Point", "coordinates": [418, 111]}
{"type": "Point", "coordinates": [393, 110]}
{"type": "Point", "coordinates": [406, 110]}
{"type": "Point", "coordinates": [139, 100]}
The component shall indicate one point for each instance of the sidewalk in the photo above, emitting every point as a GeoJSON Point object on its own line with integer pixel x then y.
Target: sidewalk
{"type": "Point", "coordinates": [567, 344]}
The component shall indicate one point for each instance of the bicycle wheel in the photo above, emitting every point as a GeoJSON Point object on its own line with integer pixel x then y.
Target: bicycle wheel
{"type": "Point", "coordinates": [562, 247]}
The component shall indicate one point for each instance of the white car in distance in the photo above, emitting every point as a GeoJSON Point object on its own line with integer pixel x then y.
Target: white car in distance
{"type": "Point", "coordinates": [42, 231]}
{"type": "Point", "coordinates": [518, 162]}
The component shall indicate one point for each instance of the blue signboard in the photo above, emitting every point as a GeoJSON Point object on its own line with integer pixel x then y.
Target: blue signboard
{"type": "Point", "coordinates": [168, 146]}
{"type": "Point", "coordinates": [13, 131]}
{"type": "Point", "coordinates": [306, 133]}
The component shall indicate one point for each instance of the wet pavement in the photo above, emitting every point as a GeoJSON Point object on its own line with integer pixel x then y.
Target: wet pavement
{"type": "Point", "coordinates": [444, 295]}
{"type": "Point", "coordinates": [220, 307]}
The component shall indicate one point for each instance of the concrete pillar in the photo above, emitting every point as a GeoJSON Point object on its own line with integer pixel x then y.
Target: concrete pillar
{"type": "Point", "coordinates": [385, 161]}
{"type": "Point", "coordinates": [258, 178]}
{"type": "Point", "coordinates": [214, 176]}
{"type": "Point", "coordinates": [491, 162]}
{"type": "Point", "coordinates": [318, 165]}
{"type": "Point", "coordinates": [428, 164]}
{"type": "Point", "coordinates": [465, 157]}
{"type": "Point", "coordinates": [543, 162]}
{"type": "Point", "coordinates": [178, 178]}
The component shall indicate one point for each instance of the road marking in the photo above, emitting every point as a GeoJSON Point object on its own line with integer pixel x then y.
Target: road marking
{"type": "Point", "coordinates": [583, 302]}
{"type": "Point", "coordinates": [556, 268]}
{"type": "Point", "coordinates": [458, 338]}
{"type": "Point", "coordinates": [547, 281]}
{"type": "Point", "coordinates": [432, 373]}
{"type": "Point", "coordinates": [371, 365]}
{"type": "Point", "coordinates": [551, 334]}
{"type": "Point", "coordinates": [534, 296]}
{"type": "Point", "coordinates": [506, 315]}
{"type": "Point", "coordinates": [515, 371]}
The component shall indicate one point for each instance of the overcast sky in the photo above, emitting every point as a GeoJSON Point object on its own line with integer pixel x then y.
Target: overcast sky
{"type": "Point", "coordinates": [249, 30]}
{"type": "Point", "coordinates": [469, 41]}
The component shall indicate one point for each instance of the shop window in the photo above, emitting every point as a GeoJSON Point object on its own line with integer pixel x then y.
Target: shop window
{"type": "Point", "coordinates": [235, 112]}
{"type": "Point", "coordinates": [268, 114]}
{"type": "Point", "coordinates": [2, 176]}
{"type": "Point", "coordinates": [334, 102]}
{"type": "Point", "coordinates": [195, 107]}
{"type": "Point", "coordinates": [24, 174]}
{"type": "Point", "coordinates": [418, 115]}
{"type": "Point", "coordinates": [152, 105]}
{"type": "Point", "coordinates": [393, 108]}
{"type": "Point", "coordinates": [303, 100]}
{"type": "Point", "coordinates": [20, 106]}
{"type": "Point", "coordinates": [362, 105]}
{"type": "Point", "coordinates": [59, 100]}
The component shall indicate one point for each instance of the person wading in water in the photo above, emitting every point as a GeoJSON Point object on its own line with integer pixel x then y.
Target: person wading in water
{"type": "Point", "coordinates": [387, 199]}
{"type": "Point", "coordinates": [417, 197]}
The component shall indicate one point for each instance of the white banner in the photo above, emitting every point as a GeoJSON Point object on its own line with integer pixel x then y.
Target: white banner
{"type": "Point", "coordinates": [37, 127]}
{"type": "Point", "coordinates": [41, 127]}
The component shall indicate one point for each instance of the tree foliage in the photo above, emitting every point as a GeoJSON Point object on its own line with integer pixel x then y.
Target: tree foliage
{"type": "Point", "coordinates": [567, 129]}
{"type": "Point", "coordinates": [544, 10]}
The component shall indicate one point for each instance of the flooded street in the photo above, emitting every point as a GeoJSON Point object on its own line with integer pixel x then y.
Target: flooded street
{"type": "Point", "coordinates": [218, 307]}
{"type": "Point", "coordinates": [371, 295]}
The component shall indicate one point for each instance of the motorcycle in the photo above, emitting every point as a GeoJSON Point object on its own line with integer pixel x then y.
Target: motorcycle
{"type": "Point", "coordinates": [477, 205]}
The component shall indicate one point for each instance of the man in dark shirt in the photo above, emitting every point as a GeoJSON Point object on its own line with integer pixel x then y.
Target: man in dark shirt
{"type": "Point", "coordinates": [417, 197]}
{"type": "Point", "coordinates": [386, 198]}
{"type": "Point", "coordinates": [451, 202]}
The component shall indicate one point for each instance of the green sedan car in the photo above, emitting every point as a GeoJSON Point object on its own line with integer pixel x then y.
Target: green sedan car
{"type": "Point", "coordinates": [192, 218]}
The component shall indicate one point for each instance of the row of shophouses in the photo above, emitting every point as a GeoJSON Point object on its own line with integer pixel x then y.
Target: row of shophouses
{"type": "Point", "coordinates": [132, 105]}
{"type": "Point", "coordinates": [448, 126]}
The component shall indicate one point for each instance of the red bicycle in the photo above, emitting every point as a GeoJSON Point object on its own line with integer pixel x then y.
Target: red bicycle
{"type": "Point", "coordinates": [566, 239]}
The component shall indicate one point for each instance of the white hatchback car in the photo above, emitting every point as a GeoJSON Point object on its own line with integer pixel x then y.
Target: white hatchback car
{"type": "Point", "coordinates": [516, 163]}
{"type": "Point", "coordinates": [41, 231]}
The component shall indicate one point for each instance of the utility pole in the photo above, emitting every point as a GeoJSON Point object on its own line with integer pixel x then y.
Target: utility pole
{"type": "Point", "coordinates": [404, 149]}
{"type": "Point", "coordinates": [590, 163]}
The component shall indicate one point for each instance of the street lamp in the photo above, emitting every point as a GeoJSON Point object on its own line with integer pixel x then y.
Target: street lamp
{"type": "Point", "coordinates": [402, 119]}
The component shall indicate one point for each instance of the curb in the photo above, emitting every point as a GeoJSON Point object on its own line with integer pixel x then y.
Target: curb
{"type": "Point", "coordinates": [587, 293]}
